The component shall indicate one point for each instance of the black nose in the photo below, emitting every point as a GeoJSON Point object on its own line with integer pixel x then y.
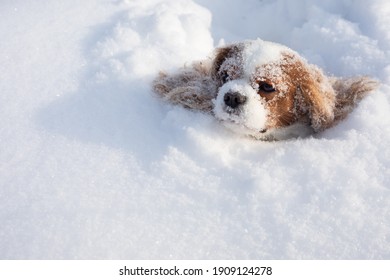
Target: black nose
{"type": "Point", "coordinates": [234, 99]}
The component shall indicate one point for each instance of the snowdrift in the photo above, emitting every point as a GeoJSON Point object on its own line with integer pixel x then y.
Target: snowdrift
{"type": "Point", "coordinates": [94, 166]}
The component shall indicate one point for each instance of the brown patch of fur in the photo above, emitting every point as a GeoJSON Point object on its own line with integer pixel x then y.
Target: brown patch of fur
{"type": "Point", "coordinates": [314, 96]}
{"type": "Point", "coordinates": [302, 93]}
{"type": "Point", "coordinates": [221, 55]}
{"type": "Point", "coordinates": [349, 92]}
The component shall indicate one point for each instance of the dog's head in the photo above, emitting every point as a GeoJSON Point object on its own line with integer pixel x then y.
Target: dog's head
{"type": "Point", "coordinates": [265, 88]}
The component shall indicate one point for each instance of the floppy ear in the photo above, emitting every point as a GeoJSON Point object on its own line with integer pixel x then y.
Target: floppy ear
{"type": "Point", "coordinates": [349, 92]}
{"type": "Point", "coordinates": [318, 97]}
{"type": "Point", "coordinates": [190, 87]}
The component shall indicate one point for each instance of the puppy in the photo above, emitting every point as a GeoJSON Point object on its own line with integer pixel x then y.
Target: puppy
{"type": "Point", "coordinates": [264, 90]}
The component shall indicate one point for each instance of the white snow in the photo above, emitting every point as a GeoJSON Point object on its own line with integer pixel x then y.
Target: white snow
{"type": "Point", "coordinates": [92, 165]}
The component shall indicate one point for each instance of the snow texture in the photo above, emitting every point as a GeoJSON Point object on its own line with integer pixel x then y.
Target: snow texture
{"type": "Point", "coordinates": [94, 166]}
{"type": "Point", "coordinates": [260, 52]}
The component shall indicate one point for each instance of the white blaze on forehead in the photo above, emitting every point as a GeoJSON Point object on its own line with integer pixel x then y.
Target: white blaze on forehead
{"type": "Point", "coordinates": [261, 52]}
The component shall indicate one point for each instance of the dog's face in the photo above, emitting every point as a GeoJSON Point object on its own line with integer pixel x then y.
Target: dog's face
{"type": "Point", "coordinates": [265, 88]}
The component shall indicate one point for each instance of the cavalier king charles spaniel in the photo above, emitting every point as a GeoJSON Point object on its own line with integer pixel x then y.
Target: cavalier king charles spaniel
{"type": "Point", "coordinates": [265, 90]}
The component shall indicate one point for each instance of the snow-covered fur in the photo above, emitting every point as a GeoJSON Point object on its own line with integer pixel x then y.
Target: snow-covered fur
{"type": "Point", "coordinates": [264, 90]}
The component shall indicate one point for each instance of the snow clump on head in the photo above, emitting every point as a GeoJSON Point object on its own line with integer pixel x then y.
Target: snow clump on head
{"type": "Point", "coordinates": [259, 52]}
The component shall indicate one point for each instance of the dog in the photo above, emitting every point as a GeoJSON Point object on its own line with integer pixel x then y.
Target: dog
{"type": "Point", "coordinates": [264, 90]}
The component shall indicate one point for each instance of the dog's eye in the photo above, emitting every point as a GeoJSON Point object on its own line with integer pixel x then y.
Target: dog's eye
{"type": "Point", "coordinates": [266, 88]}
{"type": "Point", "coordinates": [225, 77]}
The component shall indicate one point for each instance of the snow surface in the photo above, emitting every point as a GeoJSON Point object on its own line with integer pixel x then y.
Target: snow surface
{"type": "Point", "coordinates": [92, 165]}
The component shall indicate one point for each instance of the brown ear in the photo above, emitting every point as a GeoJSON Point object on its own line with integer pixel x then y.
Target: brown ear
{"type": "Point", "coordinates": [349, 92]}
{"type": "Point", "coordinates": [318, 97]}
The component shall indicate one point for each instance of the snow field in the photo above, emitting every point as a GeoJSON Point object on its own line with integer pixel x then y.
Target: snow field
{"type": "Point", "coordinates": [93, 166]}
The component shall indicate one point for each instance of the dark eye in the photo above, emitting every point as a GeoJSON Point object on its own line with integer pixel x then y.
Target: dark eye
{"type": "Point", "coordinates": [265, 87]}
{"type": "Point", "coordinates": [225, 77]}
